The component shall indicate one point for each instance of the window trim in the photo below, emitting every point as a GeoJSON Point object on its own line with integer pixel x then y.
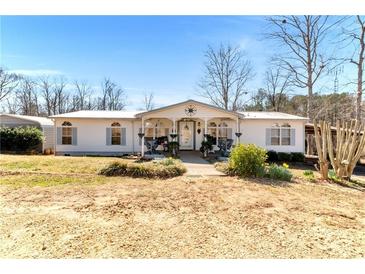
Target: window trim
{"type": "Point", "coordinates": [217, 127]}
{"type": "Point", "coordinates": [271, 136]}
{"type": "Point", "coordinates": [66, 125]}
{"type": "Point", "coordinates": [281, 128]}
{"type": "Point", "coordinates": [282, 136]}
{"type": "Point", "coordinates": [116, 125]}
{"type": "Point", "coordinates": [156, 129]}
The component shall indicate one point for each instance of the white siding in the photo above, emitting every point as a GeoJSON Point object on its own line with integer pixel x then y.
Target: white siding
{"type": "Point", "coordinates": [254, 132]}
{"type": "Point", "coordinates": [91, 132]}
{"type": "Point", "coordinates": [49, 135]}
{"type": "Point", "coordinates": [179, 112]}
{"type": "Point", "coordinates": [91, 136]}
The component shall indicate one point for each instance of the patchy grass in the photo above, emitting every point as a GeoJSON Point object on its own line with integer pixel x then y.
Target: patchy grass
{"type": "Point", "coordinates": [357, 182]}
{"type": "Point", "coordinates": [46, 180]}
{"type": "Point", "coordinates": [54, 164]}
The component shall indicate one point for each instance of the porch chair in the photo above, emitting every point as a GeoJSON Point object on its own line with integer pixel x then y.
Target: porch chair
{"type": "Point", "coordinates": [225, 146]}
{"type": "Point", "coordinates": [151, 146]}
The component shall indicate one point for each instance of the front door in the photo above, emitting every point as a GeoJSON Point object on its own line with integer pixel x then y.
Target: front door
{"type": "Point", "coordinates": [186, 135]}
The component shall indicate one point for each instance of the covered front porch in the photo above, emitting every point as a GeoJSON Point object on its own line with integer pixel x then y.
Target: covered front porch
{"type": "Point", "coordinates": [157, 133]}
{"type": "Point", "coordinates": [184, 126]}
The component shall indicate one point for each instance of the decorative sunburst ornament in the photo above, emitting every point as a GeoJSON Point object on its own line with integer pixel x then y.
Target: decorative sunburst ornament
{"type": "Point", "coordinates": [190, 110]}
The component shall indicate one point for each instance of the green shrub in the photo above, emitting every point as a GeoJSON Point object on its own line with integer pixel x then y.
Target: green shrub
{"type": "Point", "coordinates": [225, 167]}
{"type": "Point", "coordinates": [272, 156]}
{"type": "Point", "coordinates": [278, 173]}
{"type": "Point", "coordinates": [284, 157]}
{"type": "Point", "coordinates": [166, 168]}
{"type": "Point", "coordinates": [139, 170]}
{"type": "Point", "coordinates": [20, 138]}
{"type": "Point", "coordinates": [115, 169]}
{"type": "Point", "coordinates": [166, 162]}
{"type": "Point", "coordinates": [333, 177]}
{"type": "Point", "coordinates": [297, 157]}
{"type": "Point", "coordinates": [247, 160]}
{"type": "Point", "coordinates": [309, 175]}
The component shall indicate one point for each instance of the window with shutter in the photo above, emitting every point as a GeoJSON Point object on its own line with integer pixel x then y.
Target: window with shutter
{"type": "Point", "coordinates": [275, 137]}
{"type": "Point", "coordinates": [280, 135]}
{"type": "Point", "coordinates": [66, 133]}
{"type": "Point", "coordinates": [115, 133]}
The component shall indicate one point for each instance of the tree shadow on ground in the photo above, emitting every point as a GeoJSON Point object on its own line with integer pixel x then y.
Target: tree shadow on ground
{"type": "Point", "coordinates": [354, 184]}
{"type": "Point", "coordinates": [271, 182]}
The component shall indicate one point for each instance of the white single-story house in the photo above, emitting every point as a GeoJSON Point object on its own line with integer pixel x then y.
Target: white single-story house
{"type": "Point", "coordinates": [44, 124]}
{"type": "Point", "coordinates": [119, 132]}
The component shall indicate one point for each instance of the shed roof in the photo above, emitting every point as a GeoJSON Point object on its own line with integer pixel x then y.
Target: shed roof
{"type": "Point", "coordinates": [42, 121]}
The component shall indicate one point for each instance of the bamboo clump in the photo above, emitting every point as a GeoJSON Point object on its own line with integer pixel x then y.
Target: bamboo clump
{"type": "Point", "coordinates": [349, 145]}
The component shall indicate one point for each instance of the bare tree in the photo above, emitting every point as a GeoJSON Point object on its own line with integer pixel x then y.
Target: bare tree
{"type": "Point", "coordinates": [27, 97]}
{"type": "Point", "coordinates": [8, 83]}
{"type": "Point", "coordinates": [82, 100]}
{"type": "Point", "coordinates": [113, 97]}
{"type": "Point", "coordinates": [48, 95]}
{"type": "Point", "coordinates": [62, 98]}
{"type": "Point", "coordinates": [225, 77]}
{"type": "Point", "coordinates": [148, 101]}
{"type": "Point", "coordinates": [302, 37]}
{"type": "Point", "coordinates": [12, 105]}
{"type": "Point", "coordinates": [356, 35]}
{"type": "Point", "coordinates": [278, 84]}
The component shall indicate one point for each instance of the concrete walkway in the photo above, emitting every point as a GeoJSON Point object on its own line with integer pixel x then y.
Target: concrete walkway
{"type": "Point", "coordinates": [197, 166]}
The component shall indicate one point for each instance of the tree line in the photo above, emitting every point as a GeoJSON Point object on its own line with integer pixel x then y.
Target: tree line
{"type": "Point", "coordinates": [47, 96]}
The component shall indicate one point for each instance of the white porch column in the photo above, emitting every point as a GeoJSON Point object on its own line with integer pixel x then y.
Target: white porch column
{"type": "Point", "coordinates": [174, 125]}
{"type": "Point", "coordinates": [237, 130]}
{"type": "Point", "coordinates": [142, 143]}
{"type": "Point", "coordinates": [205, 127]}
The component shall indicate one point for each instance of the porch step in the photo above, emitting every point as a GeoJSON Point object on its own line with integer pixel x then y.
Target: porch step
{"type": "Point", "coordinates": [154, 156]}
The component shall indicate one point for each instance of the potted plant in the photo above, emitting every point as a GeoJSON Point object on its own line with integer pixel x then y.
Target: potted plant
{"type": "Point", "coordinates": [206, 146]}
{"type": "Point", "coordinates": [173, 148]}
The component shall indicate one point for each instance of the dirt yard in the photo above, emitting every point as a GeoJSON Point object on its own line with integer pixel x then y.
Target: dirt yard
{"type": "Point", "coordinates": [181, 218]}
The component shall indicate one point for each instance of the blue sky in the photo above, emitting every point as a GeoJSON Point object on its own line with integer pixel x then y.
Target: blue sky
{"type": "Point", "coordinates": [159, 54]}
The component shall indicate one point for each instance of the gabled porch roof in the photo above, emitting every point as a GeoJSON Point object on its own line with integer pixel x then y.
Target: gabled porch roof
{"type": "Point", "coordinates": [190, 101]}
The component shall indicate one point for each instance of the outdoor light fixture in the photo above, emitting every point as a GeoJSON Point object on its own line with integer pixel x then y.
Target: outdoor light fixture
{"type": "Point", "coordinates": [186, 126]}
{"type": "Point", "coordinates": [238, 134]}
{"type": "Point", "coordinates": [140, 135]}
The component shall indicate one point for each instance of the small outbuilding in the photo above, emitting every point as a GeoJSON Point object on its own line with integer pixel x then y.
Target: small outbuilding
{"type": "Point", "coordinates": [43, 123]}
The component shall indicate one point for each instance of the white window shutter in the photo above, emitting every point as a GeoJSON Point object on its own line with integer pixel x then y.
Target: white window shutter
{"type": "Point", "coordinates": [74, 136]}
{"type": "Point", "coordinates": [124, 137]}
{"type": "Point", "coordinates": [292, 136]}
{"type": "Point", "coordinates": [108, 135]}
{"type": "Point", "coordinates": [59, 135]}
{"type": "Point", "coordinates": [268, 136]}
